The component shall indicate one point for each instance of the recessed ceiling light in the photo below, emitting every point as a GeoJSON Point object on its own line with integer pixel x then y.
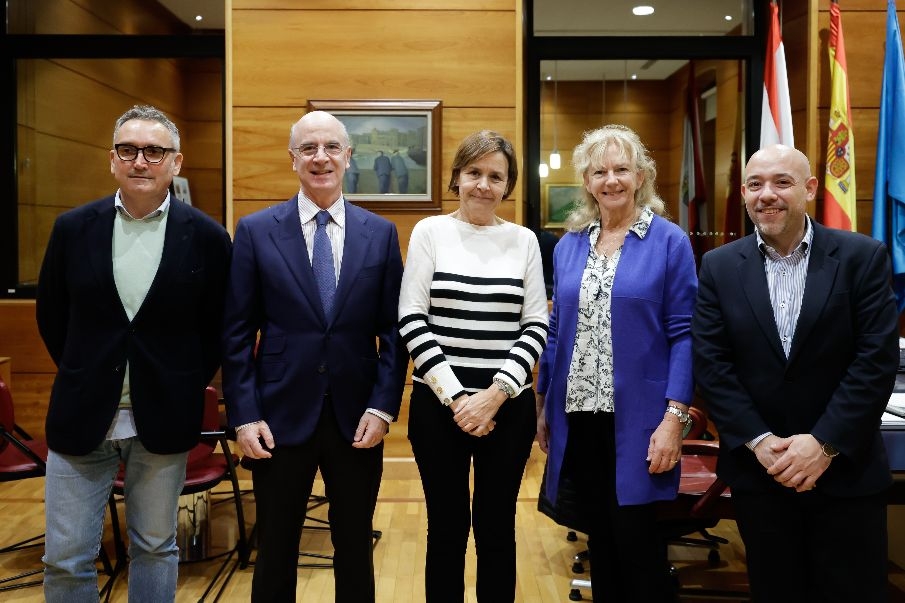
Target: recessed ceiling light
{"type": "Point", "coordinates": [198, 17]}
{"type": "Point", "coordinates": [634, 76]}
{"type": "Point", "coordinates": [643, 10]}
{"type": "Point", "coordinates": [728, 17]}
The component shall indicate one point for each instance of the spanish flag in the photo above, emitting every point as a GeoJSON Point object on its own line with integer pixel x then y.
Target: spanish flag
{"type": "Point", "coordinates": [839, 192]}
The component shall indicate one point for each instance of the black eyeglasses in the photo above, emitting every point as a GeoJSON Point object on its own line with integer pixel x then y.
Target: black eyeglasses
{"type": "Point", "coordinates": [152, 154]}
{"type": "Point", "coordinates": [333, 149]}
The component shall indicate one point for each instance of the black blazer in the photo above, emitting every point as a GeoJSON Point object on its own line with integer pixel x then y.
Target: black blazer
{"type": "Point", "coordinates": [172, 343]}
{"type": "Point", "coordinates": [841, 367]}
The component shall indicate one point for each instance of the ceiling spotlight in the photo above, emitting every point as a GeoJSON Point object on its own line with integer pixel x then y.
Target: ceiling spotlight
{"type": "Point", "coordinates": [728, 17]}
{"type": "Point", "coordinates": [634, 76]}
{"type": "Point", "coordinates": [198, 17]}
{"type": "Point", "coordinates": [641, 11]}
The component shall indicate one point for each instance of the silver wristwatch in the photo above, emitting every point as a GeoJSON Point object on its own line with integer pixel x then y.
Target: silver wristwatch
{"type": "Point", "coordinates": [679, 413]}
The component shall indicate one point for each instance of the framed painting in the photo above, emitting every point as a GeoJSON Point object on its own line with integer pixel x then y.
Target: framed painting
{"type": "Point", "coordinates": [557, 202]}
{"type": "Point", "coordinates": [395, 163]}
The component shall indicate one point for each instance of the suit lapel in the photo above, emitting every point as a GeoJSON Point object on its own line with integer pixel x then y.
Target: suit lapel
{"type": "Point", "coordinates": [99, 228]}
{"type": "Point", "coordinates": [289, 241]}
{"type": "Point", "coordinates": [753, 279]}
{"type": "Point", "coordinates": [822, 268]}
{"type": "Point", "coordinates": [355, 247]}
{"type": "Point", "coordinates": [177, 242]}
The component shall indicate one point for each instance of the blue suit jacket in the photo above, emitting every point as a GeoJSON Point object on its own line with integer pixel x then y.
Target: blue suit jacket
{"type": "Point", "coordinates": [172, 344]}
{"type": "Point", "coordinates": [841, 367]}
{"type": "Point", "coordinates": [652, 301]}
{"type": "Point", "coordinates": [303, 354]}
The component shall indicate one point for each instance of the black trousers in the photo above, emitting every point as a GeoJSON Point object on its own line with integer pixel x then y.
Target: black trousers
{"type": "Point", "coordinates": [627, 551]}
{"type": "Point", "coordinates": [282, 486]}
{"type": "Point", "coordinates": [810, 547]}
{"type": "Point", "coordinates": [445, 455]}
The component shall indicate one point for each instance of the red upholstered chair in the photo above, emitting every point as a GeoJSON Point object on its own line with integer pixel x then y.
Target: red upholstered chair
{"type": "Point", "coordinates": [21, 457]}
{"type": "Point", "coordinates": [205, 469]}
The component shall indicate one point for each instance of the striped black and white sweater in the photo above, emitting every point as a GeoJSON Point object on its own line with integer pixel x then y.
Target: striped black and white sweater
{"type": "Point", "coordinates": [473, 305]}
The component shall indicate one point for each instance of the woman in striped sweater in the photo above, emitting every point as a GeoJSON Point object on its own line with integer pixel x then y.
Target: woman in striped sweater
{"type": "Point", "coordinates": [473, 313]}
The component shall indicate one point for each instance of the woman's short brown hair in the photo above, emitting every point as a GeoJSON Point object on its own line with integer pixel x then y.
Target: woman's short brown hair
{"type": "Point", "coordinates": [476, 146]}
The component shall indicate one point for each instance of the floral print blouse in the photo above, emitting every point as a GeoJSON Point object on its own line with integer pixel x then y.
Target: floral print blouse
{"type": "Point", "coordinates": [590, 383]}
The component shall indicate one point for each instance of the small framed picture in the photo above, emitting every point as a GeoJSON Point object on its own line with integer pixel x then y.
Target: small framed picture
{"type": "Point", "coordinates": [181, 189]}
{"type": "Point", "coordinates": [557, 202]}
{"type": "Point", "coordinates": [395, 162]}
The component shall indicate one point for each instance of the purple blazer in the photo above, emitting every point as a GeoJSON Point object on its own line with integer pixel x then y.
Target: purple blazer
{"type": "Point", "coordinates": [652, 302]}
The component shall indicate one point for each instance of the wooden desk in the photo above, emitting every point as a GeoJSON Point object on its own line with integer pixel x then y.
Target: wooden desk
{"type": "Point", "coordinates": [6, 371]}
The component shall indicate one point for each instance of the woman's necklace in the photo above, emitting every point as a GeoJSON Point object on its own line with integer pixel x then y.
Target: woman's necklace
{"type": "Point", "coordinates": [611, 239]}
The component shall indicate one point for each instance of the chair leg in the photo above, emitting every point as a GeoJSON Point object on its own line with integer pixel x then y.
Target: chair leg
{"type": "Point", "coordinates": [15, 582]}
{"type": "Point", "coordinates": [23, 544]}
{"type": "Point", "coordinates": [119, 548]}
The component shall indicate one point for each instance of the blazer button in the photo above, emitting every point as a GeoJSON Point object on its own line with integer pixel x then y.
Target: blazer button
{"type": "Point", "coordinates": [322, 369]}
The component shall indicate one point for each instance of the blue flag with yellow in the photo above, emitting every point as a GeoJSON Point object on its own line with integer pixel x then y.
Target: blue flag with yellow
{"type": "Point", "coordinates": [889, 185]}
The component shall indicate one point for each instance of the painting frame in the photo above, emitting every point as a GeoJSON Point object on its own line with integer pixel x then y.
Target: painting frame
{"type": "Point", "coordinates": [381, 128]}
{"type": "Point", "coordinates": [556, 202]}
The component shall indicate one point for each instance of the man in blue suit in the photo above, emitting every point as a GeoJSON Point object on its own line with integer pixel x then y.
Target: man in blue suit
{"type": "Point", "coordinates": [129, 305]}
{"type": "Point", "coordinates": [314, 367]}
{"type": "Point", "coordinates": [795, 352]}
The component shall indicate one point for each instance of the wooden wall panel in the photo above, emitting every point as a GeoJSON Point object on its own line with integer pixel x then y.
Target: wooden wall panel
{"type": "Point", "coordinates": [262, 168]}
{"type": "Point", "coordinates": [459, 123]}
{"type": "Point", "coordinates": [469, 65]}
{"type": "Point", "coordinates": [386, 5]}
{"type": "Point", "coordinates": [202, 145]}
{"type": "Point", "coordinates": [130, 78]}
{"type": "Point", "coordinates": [21, 340]}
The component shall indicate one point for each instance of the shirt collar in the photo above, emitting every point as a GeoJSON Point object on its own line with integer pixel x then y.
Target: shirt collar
{"type": "Point", "coordinates": [639, 227]}
{"type": "Point", "coordinates": [803, 247]}
{"type": "Point", "coordinates": [308, 209]}
{"type": "Point", "coordinates": [162, 209]}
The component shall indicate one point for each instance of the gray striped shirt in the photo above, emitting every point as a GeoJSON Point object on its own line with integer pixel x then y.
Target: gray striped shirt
{"type": "Point", "coordinates": [786, 277]}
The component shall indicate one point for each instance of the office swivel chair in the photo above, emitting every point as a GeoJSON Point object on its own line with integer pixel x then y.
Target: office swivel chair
{"type": "Point", "coordinates": [702, 502]}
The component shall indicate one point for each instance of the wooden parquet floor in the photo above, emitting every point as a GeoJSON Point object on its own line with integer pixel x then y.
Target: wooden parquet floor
{"type": "Point", "coordinates": [545, 556]}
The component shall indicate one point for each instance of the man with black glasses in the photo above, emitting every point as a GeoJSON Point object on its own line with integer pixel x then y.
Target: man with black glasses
{"type": "Point", "coordinates": [129, 304]}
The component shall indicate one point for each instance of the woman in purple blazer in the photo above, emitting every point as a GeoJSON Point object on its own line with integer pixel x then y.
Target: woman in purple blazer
{"type": "Point", "coordinates": [615, 379]}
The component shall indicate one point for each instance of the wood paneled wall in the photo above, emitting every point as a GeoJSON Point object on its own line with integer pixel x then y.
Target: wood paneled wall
{"type": "Point", "coordinates": [655, 110]}
{"type": "Point", "coordinates": [66, 109]}
{"type": "Point", "coordinates": [465, 53]}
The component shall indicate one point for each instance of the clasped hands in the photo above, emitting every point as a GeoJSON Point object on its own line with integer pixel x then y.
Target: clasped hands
{"type": "Point", "coordinates": [795, 462]}
{"type": "Point", "coordinates": [256, 440]}
{"type": "Point", "coordinates": [474, 413]}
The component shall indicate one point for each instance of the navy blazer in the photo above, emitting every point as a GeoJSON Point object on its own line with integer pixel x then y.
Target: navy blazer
{"type": "Point", "coordinates": [172, 344]}
{"type": "Point", "coordinates": [841, 367]}
{"type": "Point", "coordinates": [302, 354]}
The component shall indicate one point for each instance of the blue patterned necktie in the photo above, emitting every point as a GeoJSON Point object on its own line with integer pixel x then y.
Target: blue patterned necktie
{"type": "Point", "coordinates": [322, 262]}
